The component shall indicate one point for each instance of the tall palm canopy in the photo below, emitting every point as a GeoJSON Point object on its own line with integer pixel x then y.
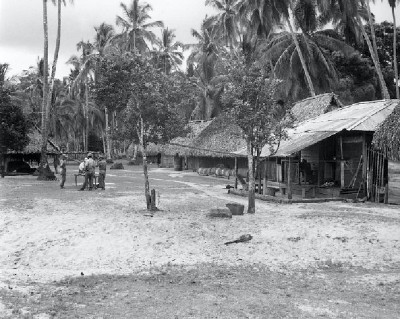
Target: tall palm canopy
{"type": "Point", "coordinates": [135, 24]}
{"type": "Point", "coordinates": [168, 53]}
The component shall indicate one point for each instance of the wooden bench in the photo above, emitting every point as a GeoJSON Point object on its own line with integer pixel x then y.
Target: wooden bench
{"type": "Point", "coordinates": [272, 187]}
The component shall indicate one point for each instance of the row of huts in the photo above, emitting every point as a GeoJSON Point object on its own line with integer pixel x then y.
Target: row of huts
{"type": "Point", "coordinates": [328, 153]}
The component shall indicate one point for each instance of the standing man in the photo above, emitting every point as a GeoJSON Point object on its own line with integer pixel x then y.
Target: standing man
{"type": "Point", "coordinates": [63, 168]}
{"type": "Point", "coordinates": [102, 164]}
{"type": "Point", "coordinates": [90, 167]}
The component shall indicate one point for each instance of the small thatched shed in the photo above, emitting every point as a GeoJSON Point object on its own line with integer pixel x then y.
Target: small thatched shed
{"type": "Point", "coordinates": [314, 106]}
{"type": "Point", "coordinates": [31, 153]}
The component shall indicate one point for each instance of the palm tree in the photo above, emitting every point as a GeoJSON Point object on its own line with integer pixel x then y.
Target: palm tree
{"type": "Point", "coordinates": [136, 27]}
{"type": "Point", "coordinates": [315, 46]}
{"type": "Point", "coordinates": [347, 17]}
{"type": "Point", "coordinates": [48, 86]}
{"type": "Point", "coordinates": [265, 15]}
{"type": "Point", "coordinates": [43, 153]}
{"type": "Point", "coordinates": [392, 4]}
{"type": "Point", "coordinates": [204, 57]}
{"type": "Point", "coordinates": [226, 19]}
{"type": "Point", "coordinates": [169, 52]}
{"type": "Point", "coordinates": [85, 65]}
{"type": "Point", "coordinates": [104, 35]}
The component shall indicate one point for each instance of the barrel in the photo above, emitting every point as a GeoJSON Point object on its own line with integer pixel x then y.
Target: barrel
{"type": "Point", "coordinates": [177, 163]}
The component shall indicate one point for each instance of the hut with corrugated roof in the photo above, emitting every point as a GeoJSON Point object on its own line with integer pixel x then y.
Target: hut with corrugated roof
{"type": "Point", "coordinates": [331, 155]}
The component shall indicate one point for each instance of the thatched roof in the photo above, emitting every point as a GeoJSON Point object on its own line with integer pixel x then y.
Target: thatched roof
{"type": "Point", "coordinates": [314, 106]}
{"type": "Point", "coordinates": [387, 136]}
{"type": "Point", "coordinates": [219, 137]}
{"type": "Point", "coordinates": [35, 144]}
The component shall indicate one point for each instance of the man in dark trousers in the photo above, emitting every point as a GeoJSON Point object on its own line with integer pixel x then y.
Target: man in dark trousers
{"type": "Point", "coordinates": [63, 168]}
{"type": "Point", "coordinates": [102, 164]}
{"type": "Point", "coordinates": [90, 167]}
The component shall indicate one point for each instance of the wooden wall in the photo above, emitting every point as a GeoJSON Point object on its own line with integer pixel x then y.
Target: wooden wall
{"type": "Point", "coordinates": [394, 182]}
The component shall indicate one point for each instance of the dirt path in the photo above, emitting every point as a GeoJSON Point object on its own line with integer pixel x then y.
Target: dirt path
{"type": "Point", "coordinates": [48, 234]}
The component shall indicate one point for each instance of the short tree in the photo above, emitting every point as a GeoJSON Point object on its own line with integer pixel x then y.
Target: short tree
{"type": "Point", "coordinates": [250, 98]}
{"type": "Point", "coordinates": [13, 126]}
{"type": "Point", "coordinates": [149, 100]}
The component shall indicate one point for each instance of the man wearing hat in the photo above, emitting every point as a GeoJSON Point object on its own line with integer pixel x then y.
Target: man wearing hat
{"type": "Point", "coordinates": [102, 164]}
{"type": "Point", "coordinates": [63, 168]}
{"type": "Point", "coordinates": [90, 167]}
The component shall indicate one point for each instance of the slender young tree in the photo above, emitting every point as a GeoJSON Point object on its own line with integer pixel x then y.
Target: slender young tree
{"type": "Point", "coordinates": [250, 99]}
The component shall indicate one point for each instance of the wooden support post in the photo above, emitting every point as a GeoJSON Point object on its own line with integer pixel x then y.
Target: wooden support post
{"type": "Point", "coordinates": [364, 165]}
{"type": "Point", "coordinates": [342, 185]}
{"type": "Point", "coordinates": [153, 200]}
{"type": "Point", "coordinates": [386, 179]}
{"type": "Point", "coordinates": [265, 178]}
{"type": "Point", "coordinates": [378, 177]}
{"type": "Point", "coordinates": [236, 173]}
{"type": "Point", "coordinates": [289, 180]}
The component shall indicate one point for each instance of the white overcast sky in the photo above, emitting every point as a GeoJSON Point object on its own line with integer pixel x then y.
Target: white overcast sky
{"type": "Point", "coordinates": [21, 29]}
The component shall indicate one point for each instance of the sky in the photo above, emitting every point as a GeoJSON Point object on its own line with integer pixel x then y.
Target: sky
{"type": "Point", "coordinates": [21, 26]}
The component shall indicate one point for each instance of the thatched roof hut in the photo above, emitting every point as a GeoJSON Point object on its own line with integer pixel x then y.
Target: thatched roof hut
{"type": "Point", "coordinates": [31, 152]}
{"type": "Point", "coordinates": [218, 137]}
{"type": "Point", "coordinates": [315, 106]}
{"type": "Point", "coordinates": [387, 136]}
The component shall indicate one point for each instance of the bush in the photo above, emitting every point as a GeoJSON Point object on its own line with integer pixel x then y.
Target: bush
{"type": "Point", "coordinates": [117, 166]}
{"type": "Point", "coordinates": [109, 161]}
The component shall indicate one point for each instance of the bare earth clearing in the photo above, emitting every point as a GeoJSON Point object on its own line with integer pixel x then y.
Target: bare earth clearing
{"type": "Point", "coordinates": [99, 254]}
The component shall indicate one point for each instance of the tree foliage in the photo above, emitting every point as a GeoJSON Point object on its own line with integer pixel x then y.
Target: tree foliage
{"type": "Point", "coordinates": [13, 125]}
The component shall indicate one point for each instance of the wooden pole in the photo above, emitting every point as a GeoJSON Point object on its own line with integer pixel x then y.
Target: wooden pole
{"type": "Point", "coordinates": [265, 177]}
{"type": "Point", "coordinates": [364, 165]}
{"type": "Point", "coordinates": [259, 178]}
{"type": "Point", "coordinates": [289, 180]}
{"type": "Point", "coordinates": [386, 174]}
{"type": "Point", "coordinates": [236, 173]}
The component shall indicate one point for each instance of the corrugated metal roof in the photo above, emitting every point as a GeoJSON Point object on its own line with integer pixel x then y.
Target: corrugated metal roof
{"type": "Point", "coordinates": [364, 116]}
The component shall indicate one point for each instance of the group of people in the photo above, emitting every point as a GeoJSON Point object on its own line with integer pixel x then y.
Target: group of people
{"type": "Point", "coordinates": [88, 168]}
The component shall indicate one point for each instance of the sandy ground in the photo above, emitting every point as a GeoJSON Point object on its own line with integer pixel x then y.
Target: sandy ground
{"type": "Point", "coordinates": [48, 234]}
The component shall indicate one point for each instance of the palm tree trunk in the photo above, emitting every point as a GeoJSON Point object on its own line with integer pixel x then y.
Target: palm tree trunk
{"type": "Point", "coordinates": [44, 128]}
{"type": "Point", "coordinates": [251, 209]}
{"type": "Point", "coordinates": [385, 92]}
{"type": "Point", "coordinates": [396, 72]}
{"type": "Point", "coordinates": [56, 51]}
{"type": "Point", "coordinates": [87, 115]}
{"type": "Point", "coordinates": [302, 60]}
{"type": "Point", "coordinates": [108, 144]}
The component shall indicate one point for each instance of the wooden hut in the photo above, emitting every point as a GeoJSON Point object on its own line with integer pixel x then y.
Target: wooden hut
{"type": "Point", "coordinates": [29, 155]}
{"type": "Point", "coordinates": [209, 144]}
{"type": "Point", "coordinates": [331, 155]}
